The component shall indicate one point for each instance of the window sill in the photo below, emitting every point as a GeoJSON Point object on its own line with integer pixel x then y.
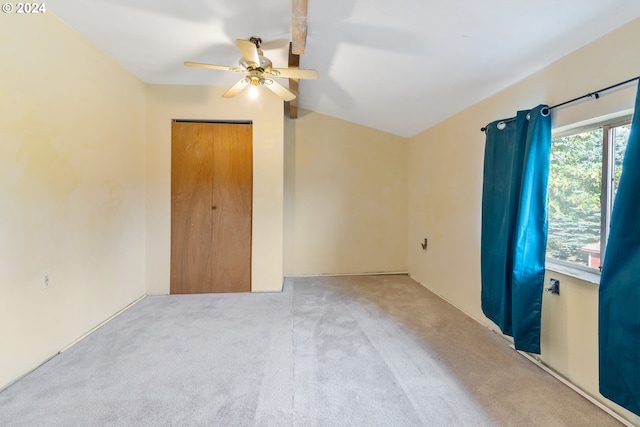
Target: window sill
{"type": "Point", "coordinates": [568, 270]}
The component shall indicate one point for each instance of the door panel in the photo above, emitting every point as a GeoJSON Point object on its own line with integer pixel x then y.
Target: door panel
{"type": "Point", "coordinates": [211, 201]}
{"type": "Point", "coordinates": [232, 199]}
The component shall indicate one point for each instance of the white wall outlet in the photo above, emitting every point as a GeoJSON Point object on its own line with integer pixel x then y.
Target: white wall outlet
{"type": "Point", "coordinates": [46, 281]}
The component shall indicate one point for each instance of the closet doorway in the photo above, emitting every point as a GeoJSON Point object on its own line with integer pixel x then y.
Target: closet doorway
{"type": "Point", "coordinates": [211, 207]}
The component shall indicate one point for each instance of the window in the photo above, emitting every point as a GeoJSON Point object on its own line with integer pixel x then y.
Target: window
{"type": "Point", "coordinates": [584, 173]}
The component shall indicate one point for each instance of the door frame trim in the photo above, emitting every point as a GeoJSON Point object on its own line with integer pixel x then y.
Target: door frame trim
{"type": "Point", "coordinates": [230, 122]}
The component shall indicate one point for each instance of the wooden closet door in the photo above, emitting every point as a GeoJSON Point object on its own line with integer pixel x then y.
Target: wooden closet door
{"type": "Point", "coordinates": [211, 200]}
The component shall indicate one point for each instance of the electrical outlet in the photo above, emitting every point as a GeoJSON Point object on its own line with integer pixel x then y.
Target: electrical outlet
{"type": "Point", "coordinates": [46, 282]}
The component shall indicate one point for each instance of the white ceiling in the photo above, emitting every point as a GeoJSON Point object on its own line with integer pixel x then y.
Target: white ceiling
{"type": "Point", "coordinates": [400, 66]}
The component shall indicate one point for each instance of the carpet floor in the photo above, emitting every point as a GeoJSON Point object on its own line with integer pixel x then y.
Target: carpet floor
{"type": "Point", "coordinates": [327, 351]}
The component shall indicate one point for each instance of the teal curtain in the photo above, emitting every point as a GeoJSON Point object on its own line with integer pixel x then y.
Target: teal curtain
{"type": "Point", "coordinates": [514, 224]}
{"type": "Point", "coordinates": [619, 300]}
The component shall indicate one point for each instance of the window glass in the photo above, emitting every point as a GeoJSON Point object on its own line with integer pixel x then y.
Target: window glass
{"type": "Point", "coordinates": [584, 175]}
{"type": "Point", "coordinates": [575, 179]}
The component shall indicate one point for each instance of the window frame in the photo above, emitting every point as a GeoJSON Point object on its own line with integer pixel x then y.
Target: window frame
{"type": "Point", "coordinates": [608, 125]}
{"type": "Point", "coordinates": [608, 161]}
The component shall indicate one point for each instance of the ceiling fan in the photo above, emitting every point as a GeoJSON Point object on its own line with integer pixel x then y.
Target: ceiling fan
{"type": "Point", "coordinates": [258, 69]}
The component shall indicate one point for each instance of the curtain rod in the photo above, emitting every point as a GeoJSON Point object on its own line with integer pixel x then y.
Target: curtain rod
{"type": "Point", "coordinates": [595, 95]}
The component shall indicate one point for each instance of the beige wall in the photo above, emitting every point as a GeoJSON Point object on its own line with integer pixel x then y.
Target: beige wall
{"type": "Point", "coordinates": [165, 103]}
{"type": "Point", "coordinates": [72, 189]}
{"type": "Point", "coordinates": [445, 190]}
{"type": "Point", "coordinates": [345, 198]}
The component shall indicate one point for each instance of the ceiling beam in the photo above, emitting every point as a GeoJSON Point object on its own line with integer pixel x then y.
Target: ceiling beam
{"type": "Point", "coordinates": [299, 26]}
{"type": "Point", "coordinates": [294, 62]}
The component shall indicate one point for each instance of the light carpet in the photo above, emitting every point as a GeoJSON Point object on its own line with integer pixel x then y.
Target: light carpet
{"type": "Point", "coordinates": [327, 351]}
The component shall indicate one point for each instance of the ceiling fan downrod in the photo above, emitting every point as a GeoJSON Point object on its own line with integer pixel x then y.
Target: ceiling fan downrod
{"type": "Point", "coordinates": [256, 40]}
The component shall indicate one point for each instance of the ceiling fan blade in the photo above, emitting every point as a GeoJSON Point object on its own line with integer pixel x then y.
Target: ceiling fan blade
{"type": "Point", "coordinates": [236, 88]}
{"type": "Point", "coordinates": [213, 67]}
{"type": "Point", "coordinates": [275, 44]}
{"type": "Point", "coordinates": [279, 90]}
{"type": "Point", "coordinates": [249, 51]}
{"type": "Point", "coordinates": [294, 73]}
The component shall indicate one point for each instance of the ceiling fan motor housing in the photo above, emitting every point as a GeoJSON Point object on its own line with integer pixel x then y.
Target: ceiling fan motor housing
{"type": "Point", "coordinates": [264, 64]}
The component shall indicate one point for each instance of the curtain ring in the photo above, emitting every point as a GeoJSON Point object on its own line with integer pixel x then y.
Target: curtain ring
{"type": "Point", "coordinates": [501, 125]}
{"type": "Point", "coordinates": [545, 111]}
{"type": "Point", "coordinates": [528, 116]}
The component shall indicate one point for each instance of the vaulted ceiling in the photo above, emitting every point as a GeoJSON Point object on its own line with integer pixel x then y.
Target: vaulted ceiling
{"type": "Point", "coordinates": [400, 66]}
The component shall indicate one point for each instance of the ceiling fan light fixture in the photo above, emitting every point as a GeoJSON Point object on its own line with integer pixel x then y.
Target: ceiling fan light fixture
{"type": "Point", "coordinates": [253, 92]}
